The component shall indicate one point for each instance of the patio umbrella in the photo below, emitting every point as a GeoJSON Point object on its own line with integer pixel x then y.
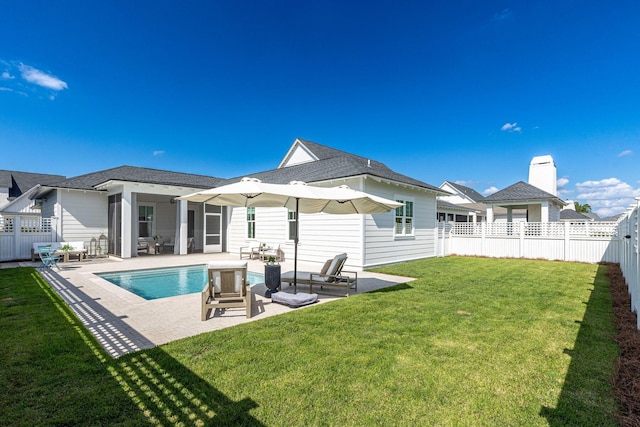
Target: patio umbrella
{"type": "Point", "coordinates": [296, 196]}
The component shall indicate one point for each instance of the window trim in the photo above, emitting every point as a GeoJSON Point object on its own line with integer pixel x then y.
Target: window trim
{"type": "Point", "coordinates": [250, 221]}
{"type": "Point", "coordinates": [405, 200]}
{"type": "Point", "coordinates": [291, 219]}
{"type": "Point", "coordinates": [153, 218]}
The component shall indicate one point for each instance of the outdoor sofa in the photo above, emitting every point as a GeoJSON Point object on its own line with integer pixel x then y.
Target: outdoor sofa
{"type": "Point", "coordinates": [77, 249]}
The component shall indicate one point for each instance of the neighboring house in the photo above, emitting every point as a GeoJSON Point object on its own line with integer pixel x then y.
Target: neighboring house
{"type": "Point", "coordinates": [570, 215]}
{"type": "Point", "coordinates": [15, 189]}
{"type": "Point", "coordinates": [450, 212]}
{"type": "Point", "coordinates": [463, 204]}
{"type": "Point", "coordinates": [460, 194]}
{"type": "Point", "coordinates": [128, 202]}
{"type": "Point", "coordinates": [539, 205]}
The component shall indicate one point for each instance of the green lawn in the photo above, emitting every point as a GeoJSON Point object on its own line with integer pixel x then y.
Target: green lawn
{"type": "Point", "coordinates": [471, 342]}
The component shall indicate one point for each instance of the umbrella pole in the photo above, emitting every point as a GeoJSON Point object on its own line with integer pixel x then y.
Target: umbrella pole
{"type": "Point", "coordinates": [295, 252]}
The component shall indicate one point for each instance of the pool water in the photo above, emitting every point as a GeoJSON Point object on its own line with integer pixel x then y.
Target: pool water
{"type": "Point", "coordinates": [166, 282]}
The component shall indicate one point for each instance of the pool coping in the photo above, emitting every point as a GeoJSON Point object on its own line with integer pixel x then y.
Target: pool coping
{"type": "Point", "coordinates": [123, 322]}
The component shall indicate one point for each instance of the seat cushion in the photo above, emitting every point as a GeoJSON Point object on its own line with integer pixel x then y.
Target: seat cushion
{"type": "Point", "coordinates": [294, 300]}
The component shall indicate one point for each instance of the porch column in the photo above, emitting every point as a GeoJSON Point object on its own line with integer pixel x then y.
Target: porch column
{"type": "Point", "coordinates": [544, 211]}
{"type": "Point", "coordinates": [181, 227]}
{"type": "Point", "coordinates": [127, 214]}
{"type": "Point", "coordinates": [489, 213]}
{"type": "Point", "coordinates": [509, 214]}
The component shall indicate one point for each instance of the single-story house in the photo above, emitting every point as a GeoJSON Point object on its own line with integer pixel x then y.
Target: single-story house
{"type": "Point", "coordinates": [17, 187]}
{"type": "Point", "coordinates": [540, 205]}
{"type": "Point", "coordinates": [125, 203]}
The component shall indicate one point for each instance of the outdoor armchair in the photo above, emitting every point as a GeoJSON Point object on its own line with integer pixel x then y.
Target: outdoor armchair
{"type": "Point", "coordinates": [253, 250]}
{"type": "Point", "coordinates": [227, 287]}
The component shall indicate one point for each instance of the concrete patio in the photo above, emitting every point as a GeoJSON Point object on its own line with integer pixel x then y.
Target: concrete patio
{"type": "Point", "coordinates": [123, 322]}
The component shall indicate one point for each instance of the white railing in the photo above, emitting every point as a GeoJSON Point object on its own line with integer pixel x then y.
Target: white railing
{"type": "Point", "coordinates": [18, 234]}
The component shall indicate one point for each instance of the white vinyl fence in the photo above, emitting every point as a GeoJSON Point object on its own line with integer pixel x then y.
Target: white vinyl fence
{"type": "Point", "coordinates": [584, 242]}
{"type": "Point", "coordinates": [18, 234]}
{"type": "Point", "coordinates": [630, 255]}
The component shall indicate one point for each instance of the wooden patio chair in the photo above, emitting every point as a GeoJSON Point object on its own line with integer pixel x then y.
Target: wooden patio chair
{"type": "Point", "coordinates": [227, 287]}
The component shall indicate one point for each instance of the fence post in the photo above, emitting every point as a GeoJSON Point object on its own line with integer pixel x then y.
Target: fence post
{"type": "Point", "coordinates": [567, 240]}
{"type": "Point", "coordinates": [521, 239]}
{"type": "Point", "coordinates": [483, 235]}
{"type": "Point", "coordinates": [17, 236]}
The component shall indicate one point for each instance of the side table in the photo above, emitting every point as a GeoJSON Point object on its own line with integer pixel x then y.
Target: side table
{"type": "Point", "coordinates": [271, 279]}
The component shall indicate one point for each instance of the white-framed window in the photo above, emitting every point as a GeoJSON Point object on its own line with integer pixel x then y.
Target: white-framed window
{"type": "Point", "coordinates": [291, 219]}
{"type": "Point", "coordinates": [251, 222]}
{"type": "Point", "coordinates": [404, 225]}
{"type": "Point", "coordinates": [146, 221]}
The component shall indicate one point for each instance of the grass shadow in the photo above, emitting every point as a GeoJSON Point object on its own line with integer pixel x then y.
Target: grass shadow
{"type": "Point", "coordinates": [394, 288]}
{"type": "Point", "coordinates": [59, 374]}
{"type": "Point", "coordinates": [586, 396]}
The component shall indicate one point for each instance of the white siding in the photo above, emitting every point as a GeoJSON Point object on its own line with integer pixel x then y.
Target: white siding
{"type": "Point", "coordinates": [4, 196]}
{"type": "Point", "coordinates": [84, 215]}
{"type": "Point", "coordinates": [367, 239]}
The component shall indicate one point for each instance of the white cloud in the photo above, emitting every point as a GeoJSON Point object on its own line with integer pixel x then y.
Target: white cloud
{"type": "Point", "coordinates": [489, 191]}
{"type": "Point", "coordinates": [511, 127]}
{"type": "Point", "coordinates": [40, 78]}
{"type": "Point", "coordinates": [625, 153]}
{"type": "Point", "coordinates": [504, 15]}
{"type": "Point", "coordinates": [7, 76]}
{"type": "Point", "coordinates": [469, 184]}
{"type": "Point", "coordinates": [562, 182]}
{"type": "Point", "coordinates": [608, 196]}
{"type": "Point", "coordinates": [158, 152]}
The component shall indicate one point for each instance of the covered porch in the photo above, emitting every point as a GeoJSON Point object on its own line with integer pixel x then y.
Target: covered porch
{"type": "Point", "coordinates": [146, 219]}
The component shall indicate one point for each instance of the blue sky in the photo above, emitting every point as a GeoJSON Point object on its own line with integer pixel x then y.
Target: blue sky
{"type": "Point", "coordinates": [465, 91]}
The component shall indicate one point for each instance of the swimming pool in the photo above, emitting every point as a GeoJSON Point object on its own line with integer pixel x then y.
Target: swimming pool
{"type": "Point", "coordinates": [166, 282]}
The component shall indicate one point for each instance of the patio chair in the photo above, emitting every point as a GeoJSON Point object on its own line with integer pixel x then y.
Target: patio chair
{"type": "Point", "coordinates": [191, 244]}
{"type": "Point", "coordinates": [253, 250]}
{"type": "Point", "coordinates": [331, 275]}
{"type": "Point", "coordinates": [48, 257]}
{"type": "Point", "coordinates": [227, 287]}
{"type": "Point", "coordinates": [143, 245]}
{"type": "Point", "coordinates": [271, 251]}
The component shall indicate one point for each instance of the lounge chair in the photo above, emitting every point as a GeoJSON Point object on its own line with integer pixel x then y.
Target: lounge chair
{"type": "Point", "coordinates": [48, 257]}
{"type": "Point", "coordinates": [331, 275]}
{"type": "Point", "coordinates": [227, 287]}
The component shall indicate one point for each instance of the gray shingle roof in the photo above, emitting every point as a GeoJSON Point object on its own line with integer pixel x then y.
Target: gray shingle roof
{"type": "Point", "coordinates": [441, 204]}
{"type": "Point", "coordinates": [469, 192]}
{"type": "Point", "coordinates": [571, 214]}
{"type": "Point", "coordinates": [136, 174]}
{"type": "Point", "coordinates": [20, 182]}
{"type": "Point", "coordinates": [333, 164]}
{"type": "Point", "coordinates": [520, 191]}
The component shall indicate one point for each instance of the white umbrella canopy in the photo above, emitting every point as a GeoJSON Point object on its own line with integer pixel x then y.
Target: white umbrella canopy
{"type": "Point", "coordinates": [297, 196]}
{"type": "Point", "coordinates": [335, 200]}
